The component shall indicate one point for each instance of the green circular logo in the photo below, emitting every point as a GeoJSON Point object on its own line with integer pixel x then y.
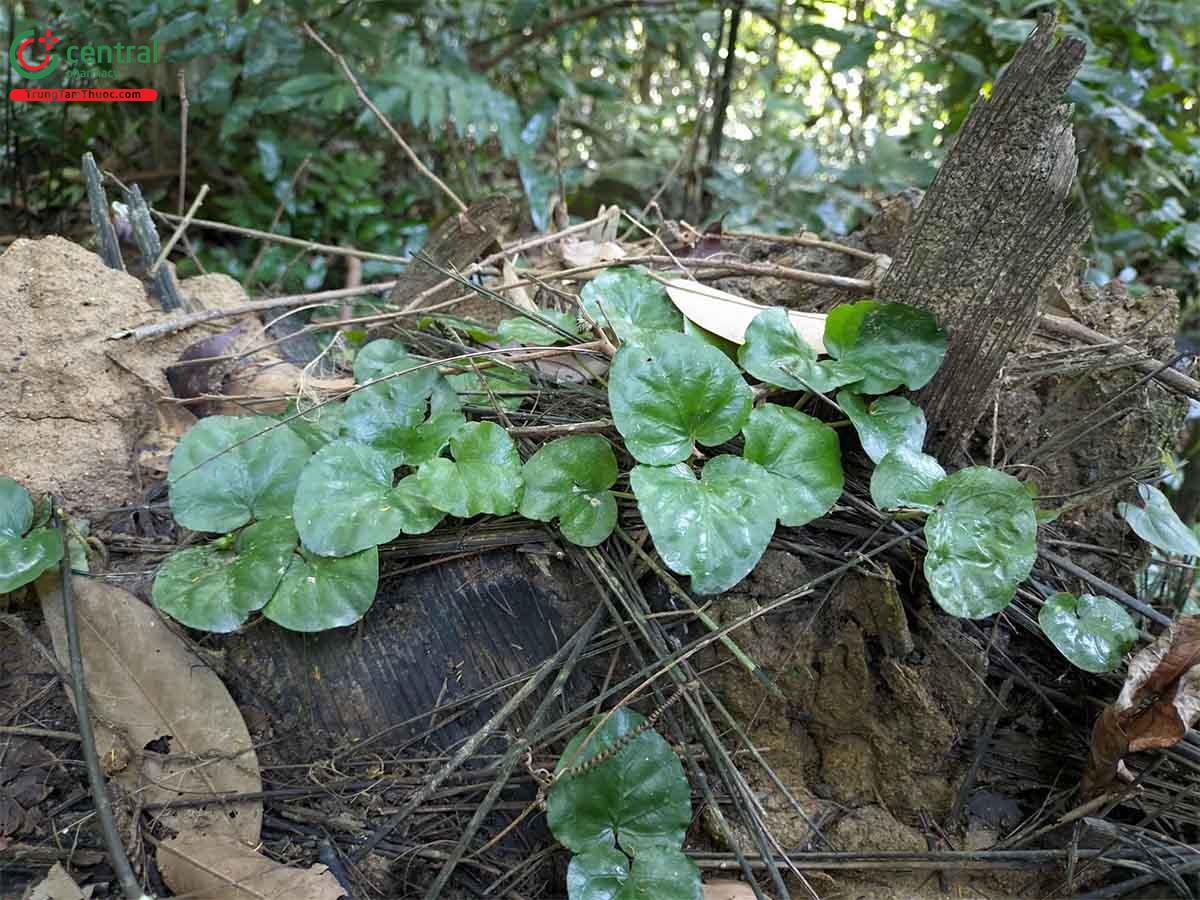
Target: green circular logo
{"type": "Point", "coordinates": [23, 43]}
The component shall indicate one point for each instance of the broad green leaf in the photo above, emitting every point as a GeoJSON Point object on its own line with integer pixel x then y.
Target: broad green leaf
{"type": "Point", "coordinates": [215, 490]}
{"type": "Point", "coordinates": [346, 501]}
{"type": "Point", "coordinates": [803, 458]}
{"type": "Point", "coordinates": [1094, 633]}
{"type": "Point", "coordinates": [662, 873]}
{"type": "Point", "coordinates": [568, 479]}
{"type": "Point", "coordinates": [842, 325]}
{"type": "Point", "coordinates": [384, 356]}
{"type": "Point", "coordinates": [509, 387]}
{"type": "Point", "coordinates": [906, 478]}
{"type": "Point", "coordinates": [318, 592]}
{"type": "Point", "coordinates": [893, 345]}
{"type": "Point", "coordinates": [729, 348]}
{"type": "Point", "coordinates": [631, 304]}
{"type": "Point", "coordinates": [391, 417]}
{"type": "Point", "coordinates": [23, 559]}
{"type": "Point", "coordinates": [637, 799]}
{"type": "Point", "coordinates": [714, 528]}
{"type": "Point", "coordinates": [889, 423]}
{"type": "Point", "coordinates": [982, 542]}
{"type": "Point", "coordinates": [1157, 523]}
{"type": "Point", "coordinates": [16, 508]}
{"type": "Point", "coordinates": [484, 477]}
{"type": "Point", "coordinates": [526, 331]}
{"type": "Point", "coordinates": [775, 353]}
{"type": "Point", "coordinates": [674, 391]}
{"type": "Point", "coordinates": [317, 427]}
{"type": "Point", "coordinates": [215, 588]}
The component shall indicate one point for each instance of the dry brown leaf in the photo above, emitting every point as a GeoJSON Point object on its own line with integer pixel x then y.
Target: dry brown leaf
{"type": "Point", "coordinates": [727, 890]}
{"type": "Point", "coordinates": [279, 381]}
{"type": "Point", "coordinates": [1158, 703]}
{"type": "Point", "coordinates": [729, 315]}
{"type": "Point", "coordinates": [58, 885]}
{"type": "Point", "coordinates": [144, 685]}
{"type": "Point", "coordinates": [218, 867]}
{"type": "Point", "coordinates": [518, 295]}
{"type": "Point", "coordinates": [588, 253]}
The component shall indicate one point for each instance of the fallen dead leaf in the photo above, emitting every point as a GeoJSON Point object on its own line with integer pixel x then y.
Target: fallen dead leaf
{"type": "Point", "coordinates": [58, 885]}
{"type": "Point", "coordinates": [219, 867]}
{"type": "Point", "coordinates": [518, 295]}
{"type": "Point", "coordinates": [727, 890]}
{"type": "Point", "coordinates": [588, 253]}
{"type": "Point", "coordinates": [729, 315]}
{"type": "Point", "coordinates": [709, 243]}
{"type": "Point", "coordinates": [165, 725]}
{"type": "Point", "coordinates": [1158, 703]}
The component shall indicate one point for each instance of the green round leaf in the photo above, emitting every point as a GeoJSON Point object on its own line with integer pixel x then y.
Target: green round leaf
{"type": "Point", "coordinates": [775, 353]}
{"type": "Point", "coordinates": [254, 480]}
{"type": "Point", "coordinates": [906, 478]}
{"type": "Point", "coordinates": [568, 479]}
{"type": "Point", "coordinates": [383, 357]}
{"type": "Point", "coordinates": [318, 592]}
{"type": "Point", "coordinates": [631, 304]}
{"type": "Point", "coordinates": [318, 427]}
{"type": "Point", "coordinates": [889, 423]}
{"type": "Point", "coordinates": [803, 457]}
{"type": "Point", "coordinates": [894, 345]}
{"type": "Point", "coordinates": [484, 477]}
{"type": "Point", "coordinates": [509, 387]}
{"type": "Point", "coordinates": [1157, 524]}
{"type": "Point", "coordinates": [637, 799]}
{"type": "Point", "coordinates": [526, 331]}
{"type": "Point", "coordinates": [23, 559]}
{"type": "Point", "coordinates": [729, 348]}
{"type": "Point", "coordinates": [390, 416]}
{"type": "Point", "coordinates": [714, 528]}
{"type": "Point", "coordinates": [673, 391]}
{"type": "Point", "coordinates": [982, 542]}
{"type": "Point", "coordinates": [16, 508]}
{"type": "Point", "coordinates": [1094, 633]}
{"type": "Point", "coordinates": [662, 873]}
{"type": "Point", "coordinates": [215, 589]}
{"type": "Point", "coordinates": [842, 325]}
{"type": "Point", "coordinates": [346, 501]}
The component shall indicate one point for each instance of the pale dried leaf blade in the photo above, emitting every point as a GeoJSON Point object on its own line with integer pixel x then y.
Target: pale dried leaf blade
{"type": "Point", "coordinates": [724, 889]}
{"type": "Point", "coordinates": [518, 295]}
{"type": "Point", "coordinates": [218, 867]}
{"type": "Point", "coordinates": [144, 684]}
{"type": "Point", "coordinates": [58, 885]}
{"type": "Point", "coordinates": [729, 315]}
{"type": "Point", "coordinates": [577, 254]}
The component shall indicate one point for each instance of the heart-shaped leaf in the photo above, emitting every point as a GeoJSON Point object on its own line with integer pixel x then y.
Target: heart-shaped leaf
{"type": "Point", "coordinates": [16, 508]}
{"type": "Point", "coordinates": [508, 387]}
{"type": "Point", "coordinates": [568, 479]}
{"type": "Point", "coordinates": [906, 478]}
{"type": "Point", "coordinates": [842, 325]}
{"type": "Point", "coordinates": [215, 588]}
{"type": "Point", "coordinates": [1094, 633]}
{"type": "Point", "coordinates": [318, 427]}
{"type": "Point", "coordinates": [320, 592]}
{"type": "Point", "coordinates": [215, 488]}
{"type": "Point", "coordinates": [889, 423]}
{"type": "Point", "coordinates": [775, 353]}
{"type": "Point", "coordinates": [23, 557]}
{"type": "Point", "coordinates": [637, 799]}
{"type": "Point", "coordinates": [528, 332]}
{"type": "Point", "coordinates": [714, 528]}
{"type": "Point", "coordinates": [1157, 524]}
{"type": "Point", "coordinates": [484, 477]}
{"type": "Point", "coordinates": [982, 542]}
{"type": "Point", "coordinates": [631, 304]}
{"type": "Point", "coordinates": [893, 345]}
{"type": "Point", "coordinates": [803, 458]}
{"type": "Point", "coordinates": [346, 501]}
{"type": "Point", "coordinates": [383, 357]}
{"type": "Point", "coordinates": [673, 391]}
{"type": "Point", "coordinates": [663, 873]}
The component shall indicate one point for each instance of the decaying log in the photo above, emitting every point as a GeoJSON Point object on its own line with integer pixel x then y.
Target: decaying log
{"type": "Point", "coordinates": [993, 228]}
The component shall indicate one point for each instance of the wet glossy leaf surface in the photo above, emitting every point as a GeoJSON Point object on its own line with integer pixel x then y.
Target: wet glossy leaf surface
{"type": "Point", "coordinates": [714, 528]}
{"type": "Point", "coordinates": [1094, 633]}
{"type": "Point", "coordinates": [23, 557]}
{"type": "Point", "coordinates": [320, 592]}
{"type": "Point", "coordinates": [803, 458]}
{"type": "Point", "coordinates": [662, 873]}
{"type": "Point", "coordinates": [906, 478]}
{"type": "Point", "coordinates": [885, 425]}
{"type": "Point", "coordinates": [775, 353]}
{"type": "Point", "coordinates": [483, 477]}
{"type": "Point", "coordinates": [568, 479]}
{"type": "Point", "coordinates": [672, 392]}
{"type": "Point", "coordinates": [893, 344]}
{"type": "Point", "coordinates": [982, 542]}
{"type": "Point", "coordinates": [631, 304]}
{"type": "Point", "coordinates": [1157, 523]}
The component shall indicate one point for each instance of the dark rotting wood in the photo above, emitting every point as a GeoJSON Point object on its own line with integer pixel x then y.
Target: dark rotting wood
{"type": "Point", "coordinates": [163, 286]}
{"type": "Point", "coordinates": [994, 228]}
{"type": "Point", "coordinates": [106, 236]}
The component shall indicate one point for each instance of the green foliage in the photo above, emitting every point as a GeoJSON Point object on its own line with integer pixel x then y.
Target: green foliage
{"type": "Point", "coordinates": [892, 345]}
{"type": "Point", "coordinates": [672, 391]}
{"type": "Point", "coordinates": [775, 353]}
{"type": "Point", "coordinates": [803, 458]}
{"type": "Point", "coordinates": [631, 304]}
{"type": "Point", "coordinates": [25, 551]}
{"type": "Point", "coordinates": [1157, 523]}
{"type": "Point", "coordinates": [906, 478]}
{"type": "Point", "coordinates": [1094, 633]}
{"type": "Point", "coordinates": [318, 593]}
{"type": "Point", "coordinates": [568, 479]}
{"type": "Point", "coordinates": [982, 541]}
{"type": "Point", "coordinates": [888, 424]}
{"type": "Point", "coordinates": [527, 332]}
{"type": "Point", "coordinates": [484, 476]}
{"type": "Point", "coordinates": [607, 874]}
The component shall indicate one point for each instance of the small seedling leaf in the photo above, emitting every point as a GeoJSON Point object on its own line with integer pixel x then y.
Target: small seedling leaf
{"type": "Point", "coordinates": [568, 479]}
{"type": "Point", "coordinates": [906, 479]}
{"type": "Point", "coordinates": [673, 391]}
{"type": "Point", "coordinates": [893, 344]}
{"type": "Point", "coordinates": [525, 331]}
{"type": "Point", "coordinates": [1092, 632]}
{"type": "Point", "coordinates": [714, 528]}
{"type": "Point", "coordinates": [801, 455]}
{"type": "Point", "coordinates": [319, 592]}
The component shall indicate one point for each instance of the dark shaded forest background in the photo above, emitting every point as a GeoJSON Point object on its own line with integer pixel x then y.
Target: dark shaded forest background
{"type": "Point", "coordinates": [771, 114]}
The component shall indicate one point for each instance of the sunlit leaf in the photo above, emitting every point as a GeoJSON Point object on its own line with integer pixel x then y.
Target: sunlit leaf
{"type": "Point", "coordinates": [1157, 523]}
{"type": "Point", "coordinates": [775, 353]}
{"type": "Point", "coordinates": [893, 344]}
{"type": "Point", "coordinates": [803, 458]}
{"type": "Point", "coordinates": [1092, 632]}
{"type": "Point", "coordinates": [630, 303]}
{"type": "Point", "coordinates": [906, 478]}
{"type": "Point", "coordinates": [568, 479]}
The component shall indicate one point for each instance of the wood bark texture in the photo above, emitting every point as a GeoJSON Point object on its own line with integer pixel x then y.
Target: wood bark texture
{"type": "Point", "coordinates": [994, 227]}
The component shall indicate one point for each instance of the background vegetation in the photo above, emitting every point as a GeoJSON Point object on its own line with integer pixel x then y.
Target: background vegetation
{"type": "Point", "coordinates": [777, 114]}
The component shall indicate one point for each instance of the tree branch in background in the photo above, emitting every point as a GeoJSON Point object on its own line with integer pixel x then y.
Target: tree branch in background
{"type": "Point", "coordinates": [724, 92]}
